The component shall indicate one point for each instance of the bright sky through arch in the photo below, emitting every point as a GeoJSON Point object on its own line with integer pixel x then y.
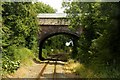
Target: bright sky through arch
{"type": "Point", "coordinates": [56, 4]}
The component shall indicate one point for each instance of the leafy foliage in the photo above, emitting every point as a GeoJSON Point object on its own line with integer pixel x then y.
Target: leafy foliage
{"type": "Point", "coordinates": [15, 57]}
{"type": "Point", "coordinates": [9, 65]}
{"type": "Point", "coordinates": [19, 32]}
{"type": "Point", "coordinates": [56, 45]}
{"type": "Point", "coordinates": [43, 8]}
{"type": "Point", "coordinates": [19, 29]}
{"type": "Point", "coordinates": [99, 42]}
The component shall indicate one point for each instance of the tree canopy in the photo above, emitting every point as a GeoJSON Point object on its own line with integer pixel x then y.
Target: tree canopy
{"type": "Point", "coordinates": [20, 31]}
{"type": "Point", "coordinates": [99, 44]}
{"type": "Point", "coordinates": [43, 8]}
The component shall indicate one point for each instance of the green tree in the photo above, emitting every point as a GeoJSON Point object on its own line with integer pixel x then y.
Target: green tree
{"type": "Point", "coordinates": [43, 8]}
{"type": "Point", "coordinates": [94, 19]}
{"type": "Point", "coordinates": [19, 20]}
{"type": "Point", "coordinates": [99, 42]}
{"type": "Point", "coordinates": [19, 31]}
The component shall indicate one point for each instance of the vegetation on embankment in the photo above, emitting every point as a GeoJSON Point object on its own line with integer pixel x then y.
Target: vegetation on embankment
{"type": "Point", "coordinates": [19, 33]}
{"type": "Point", "coordinates": [91, 71]}
{"type": "Point", "coordinates": [22, 57]}
{"type": "Point", "coordinates": [99, 44]}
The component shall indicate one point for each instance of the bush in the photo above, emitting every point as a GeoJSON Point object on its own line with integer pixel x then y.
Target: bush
{"type": "Point", "coordinates": [12, 60]}
{"type": "Point", "coordinates": [9, 65]}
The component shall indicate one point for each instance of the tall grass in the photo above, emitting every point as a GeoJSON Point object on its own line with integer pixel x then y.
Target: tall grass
{"type": "Point", "coordinates": [97, 71]}
{"type": "Point", "coordinates": [24, 55]}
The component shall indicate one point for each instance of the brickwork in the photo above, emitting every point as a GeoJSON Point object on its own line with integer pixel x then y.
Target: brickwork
{"type": "Point", "coordinates": [49, 26]}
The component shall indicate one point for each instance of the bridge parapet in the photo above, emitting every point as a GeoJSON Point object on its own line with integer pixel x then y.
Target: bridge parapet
{"type": "Point", "coordinates": [53, 19]}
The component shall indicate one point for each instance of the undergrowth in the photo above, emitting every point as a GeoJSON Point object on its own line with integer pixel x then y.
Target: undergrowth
{"type": "Point", "coordinates": [97, 71]}
{"type": "Point", "coordinates": [18, 57]}
{"type": "Point", "coordinates": [93, 70]}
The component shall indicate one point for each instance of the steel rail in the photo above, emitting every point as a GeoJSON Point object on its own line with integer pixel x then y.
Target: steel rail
{"type": "Point", "coordinates": [41, 72]}
{"type": "Point", "coordinates": [54, 73]}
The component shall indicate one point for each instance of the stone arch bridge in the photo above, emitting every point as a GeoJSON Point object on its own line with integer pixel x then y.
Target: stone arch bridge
{"type": "Point", "coordinates": [54, 24]}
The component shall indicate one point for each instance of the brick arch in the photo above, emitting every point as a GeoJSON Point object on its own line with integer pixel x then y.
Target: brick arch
{"type": "Point", "coordinates": [53, 24]}
{"type": "Point", "coordinates": [42, 41]}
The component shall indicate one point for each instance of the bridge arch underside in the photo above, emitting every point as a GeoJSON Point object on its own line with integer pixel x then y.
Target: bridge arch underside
{"type": "Point", "coordinates": [45, 37]}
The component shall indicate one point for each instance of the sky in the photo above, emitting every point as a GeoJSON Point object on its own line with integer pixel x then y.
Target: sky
{"type": "Point", "coordinates": [56, 4]}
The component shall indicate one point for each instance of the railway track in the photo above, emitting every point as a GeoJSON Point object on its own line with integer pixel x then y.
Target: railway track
{"type": "Point", "coordinates": [42, 71]}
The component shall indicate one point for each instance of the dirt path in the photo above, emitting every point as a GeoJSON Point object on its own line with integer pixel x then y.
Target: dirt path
{"type": "Point", "coordinates": [34, 70]}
